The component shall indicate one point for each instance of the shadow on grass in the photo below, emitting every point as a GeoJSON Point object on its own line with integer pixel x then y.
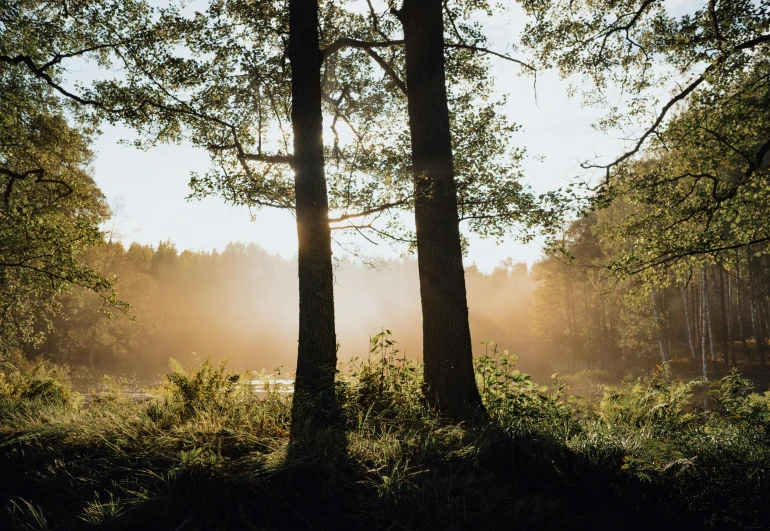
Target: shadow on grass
{"type": "Point", "coordinates": [207, 454]}
{"type": "Point", "coordinates": [504, 482]}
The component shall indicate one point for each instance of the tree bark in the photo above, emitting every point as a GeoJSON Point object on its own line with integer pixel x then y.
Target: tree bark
{"type": "Point", "coordinates": [739, 311]}
{"type": "Point", "coordinates": [693, 357]}
{"type": "Point", "coordinates": [730, 339]}
{"type": "Point", "coordinates": [756, 318]}
{"type": "Point", "coordinates": [708, 322]}
{"type": "Point", "coordinates": [314, 404]}
{"type": "Point", "coordinates": [696, 311]}
{"type": "Point", "coordinates": [704, 298]}
{"type": "Point", "coordinates": [724, 317]}
{"type": "Point", "coordinates": [658, 328]}
{"type": "Point", "coordinates": [450, 382]}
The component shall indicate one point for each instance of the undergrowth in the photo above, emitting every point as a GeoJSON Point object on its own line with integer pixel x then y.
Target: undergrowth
{"type": "Point", "coordinates": [207, 452]}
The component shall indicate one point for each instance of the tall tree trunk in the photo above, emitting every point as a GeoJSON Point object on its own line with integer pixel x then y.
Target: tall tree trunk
{"type": "Point", "coordinates": [766, 313]}
{"type": "Point", "coordinates": [754, 321]}
{"type": "Point", "coordinates": [570, 308]}
{"type": "Point", "coordinates": [724, 317]}
{"type": "Point", "coordinates": [703, 313]}
{"type": "Point", "coordinates": [756, 318]}
{"type": "Point", "coordinates": [687, 325]}
{"type": "Point", "coordinates": [603, 325]}
{"type": "Point", "coordinates": [708, 321]}
{"type": "Point", "coordinates": [588, 345]}
{"type": "Point", "coordinates": [314, 401]}
{"type": "Point", "coordinates": [697, 311]}
{"type": "Point", "coordinates": [447, 349]}
{"type": "Point", "coordinates": [658, 328]}
{"type": "Point", "coordinates": [730, 340]}
{"type": "Point", "coordinates": [739, 311]}
{"type": "Point", "coordinates": [666, 325]}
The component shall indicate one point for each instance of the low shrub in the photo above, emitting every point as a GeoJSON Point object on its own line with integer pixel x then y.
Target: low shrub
{"type": "Point", "coordinates": [206, 452]}
{"type": "Point", "coordinates": [40, 381]}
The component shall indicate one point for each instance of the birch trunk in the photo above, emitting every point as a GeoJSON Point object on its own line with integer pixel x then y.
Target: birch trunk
{"type": "Point", "coordinates": [724, 316]}
{"type": "Point", "coordinates": [730, 340]}
{"type": "Point", "coordinates": [690, 341]}
{"type": "Point", "coordinates": [703, 325]}
{"type": "Point", "coordinates": [658, 331]}
{"type": "Point", "coordinates": [756, 319]}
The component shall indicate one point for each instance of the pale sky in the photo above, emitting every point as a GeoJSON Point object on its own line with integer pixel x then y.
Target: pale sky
{"type": "Point", "coordinates": [149, 188]}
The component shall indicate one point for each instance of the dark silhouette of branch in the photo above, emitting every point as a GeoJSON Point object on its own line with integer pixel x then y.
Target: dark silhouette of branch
{"type": "Point", "coordinates": [487, 51]}
{"type": "Point", "coordinates": [346, 42]}
{"type": "Point", "coordinates": [17, 177]}
{"type": "Point", "coordinates": [389, 70]}
{"type": "Point", "coordinates": [673, 101]}
{"type": "Point", "coordinates": [374, 210]}
{"type": "Point", "coordinates": [42, 74]}
{"type": "Point", "coordinates": [257, 157]}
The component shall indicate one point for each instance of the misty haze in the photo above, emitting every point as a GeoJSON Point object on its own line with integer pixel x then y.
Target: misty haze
{"type": "Point", "coordinates": [368, 264]}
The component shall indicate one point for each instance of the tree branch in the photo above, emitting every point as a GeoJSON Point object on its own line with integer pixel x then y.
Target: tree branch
{"type": "Point", "coordinates": [489, 52]}
{"type": "Point", "coordinates": [40, 73]}
{"type": "Point", "coordinates": [257, 157]}
{"type": "Point", "coordinates": [679, 97]}
{"type": "Point", "coordinates": [17, 177]}
{"type": "Point", "coordinates": [374, 210]}
{"type": "Point", "coordinates": [389, 70]}
{"type": "Point", "coordinates": [346, 42]}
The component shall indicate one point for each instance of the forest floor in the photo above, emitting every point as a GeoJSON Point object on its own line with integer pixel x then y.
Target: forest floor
{"type": "Point", "coordinates": [205, 451]}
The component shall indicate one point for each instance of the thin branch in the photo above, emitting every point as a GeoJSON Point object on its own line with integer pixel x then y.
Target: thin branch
{"type": "Point", "coordinates": [257, 157]}
{"type": "Point", "coordinates": [346, 42]}
{"type": "Point", "coordinates": [40, 73]}
{"type": "Point", "coordinates": [388, 70]}
{"type": "Point", "coordinates": [374, 210]}
{"type": "Point", "coordinates": [489, 52]}
{"type": "Point", "coordinates": [679, 97]}
{"type": "Point", "coordinates": [753, 42]}
{"type": "Point", "coordinates": [17, 177]}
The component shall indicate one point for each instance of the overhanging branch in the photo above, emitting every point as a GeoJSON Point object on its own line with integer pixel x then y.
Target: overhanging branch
{"type": "Point", "coordinates": [257, 157]}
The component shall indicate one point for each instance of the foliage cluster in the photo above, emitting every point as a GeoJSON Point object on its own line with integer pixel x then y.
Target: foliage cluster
{"type": "Point", "coordinates": [704, 314]}
{"type": "Point", "coordinates": [23, 380]}
{"type": "Point", "coordinates": [649, 452]}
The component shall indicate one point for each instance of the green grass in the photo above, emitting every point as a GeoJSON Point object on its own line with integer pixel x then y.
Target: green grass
{"type": "Point", "coordinates": [205, 452]}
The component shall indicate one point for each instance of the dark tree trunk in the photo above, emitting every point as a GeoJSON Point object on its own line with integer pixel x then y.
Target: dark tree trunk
{"type": "Point", "coordinates": [756, 318]}
{"type": "Point", "coordinates": [693, 357]}
{"type": "Point", "coordinates": [724, 317]}
{"type": "Point", "coordinates": [703, 314]}
{"type": "Point", "coordinates": [739, 311]}
{"type": "Point", "coordinates": [766, 322]}
{"type": "Point", "coordinates": [447, 350]}
{"type": "Point", "coordinates": [730, 339]}
{"type": "Point", "coordinates": [709, 323]}
{"type": "Point", "coordinates": [658, 328]}
{"type": "Point", "coordinates": [314, 401]}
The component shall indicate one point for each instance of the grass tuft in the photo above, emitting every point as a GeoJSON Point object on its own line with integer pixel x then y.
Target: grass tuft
{"type": "Point", "coordinates": [207, 452]}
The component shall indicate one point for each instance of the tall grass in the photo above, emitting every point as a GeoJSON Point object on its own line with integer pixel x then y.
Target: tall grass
{"type": "Point", "coordinates": [206, 452]}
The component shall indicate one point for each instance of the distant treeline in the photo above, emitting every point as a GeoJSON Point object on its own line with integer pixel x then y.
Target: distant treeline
{"type": "Point", "coordinates": [704, 316]}
{"type": "Point", "coordinates": [565, 314]}
{"type": "Point", "coordinates": [242, 302]}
